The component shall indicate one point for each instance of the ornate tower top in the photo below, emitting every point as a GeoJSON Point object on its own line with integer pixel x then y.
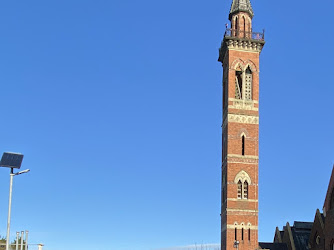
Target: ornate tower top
{"type": "Point", "coordinates": [241, 6]}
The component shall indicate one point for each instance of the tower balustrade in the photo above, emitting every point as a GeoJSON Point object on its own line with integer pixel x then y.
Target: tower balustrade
{"type": "Point", "coordinates": [237, 33]}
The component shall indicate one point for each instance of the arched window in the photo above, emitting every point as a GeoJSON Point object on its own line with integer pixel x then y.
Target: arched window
{"type": "Point", "coordinates": [249, 234]}
{"type": "Point", "coordinates": [245, 190]}
{"type": "Point", "coordinates": [239, 189]}
{"type": "Point", "coordinates": [242, 182]}
{"type": "Point", "coordinates": [238, 84]}
{"type": "Point", "coordinates": [317, 239]}
{"type": "Point", "coordinates": [242, 234]}
{"type": "Point", "coordinates": [242, 190]}
{"type": "Point", "coordinates": [243, 145]}
{"type": "Point", "coordinates": [248, 84]}
{"type": "Point", "coordinates": [236, 26]}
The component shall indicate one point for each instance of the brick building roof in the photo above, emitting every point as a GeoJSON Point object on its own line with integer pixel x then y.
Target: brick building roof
{"type": "Point", "coordinates": [273, 246]}
{"type": "Point", "coordinates": [301, 233]}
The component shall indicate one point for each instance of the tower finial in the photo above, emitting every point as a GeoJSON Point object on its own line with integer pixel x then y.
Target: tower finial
{"type": "Point", "coordinates": [241, 6]}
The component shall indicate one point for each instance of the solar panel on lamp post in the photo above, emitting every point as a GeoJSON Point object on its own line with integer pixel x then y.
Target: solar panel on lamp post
{"type": "Point", "coordinates": [11, 160]}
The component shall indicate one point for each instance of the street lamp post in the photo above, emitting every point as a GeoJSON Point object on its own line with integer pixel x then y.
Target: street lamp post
{"type": "Point", "coordinates": [11, 160]}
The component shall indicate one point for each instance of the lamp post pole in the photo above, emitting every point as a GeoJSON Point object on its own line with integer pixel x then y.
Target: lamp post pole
{"type": "Point", "coordinates": [10, 204]}
{"type": "Point", "coordinates": [9, 207]}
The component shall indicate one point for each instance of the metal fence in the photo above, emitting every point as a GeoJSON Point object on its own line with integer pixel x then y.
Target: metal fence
{"type": "Point", "coordinates": [244, 34]}
{"type": "Point", "coordinates": [18, 247]}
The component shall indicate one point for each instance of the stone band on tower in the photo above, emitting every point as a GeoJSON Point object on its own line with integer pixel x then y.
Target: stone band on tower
{"type": "Point", "coordinates": [239, 54]}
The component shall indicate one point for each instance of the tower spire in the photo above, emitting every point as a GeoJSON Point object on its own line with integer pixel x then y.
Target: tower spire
{"type": "Point", "coordinates": [241, 6]}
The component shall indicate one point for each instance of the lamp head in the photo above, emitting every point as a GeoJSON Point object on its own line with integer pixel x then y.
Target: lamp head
{"type": "Point", "coordinates": [23, 172]}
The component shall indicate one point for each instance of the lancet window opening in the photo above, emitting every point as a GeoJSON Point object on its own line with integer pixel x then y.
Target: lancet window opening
{"type": "Point", "coordinates": [248, 84]}
{"type": "Point", "coordinates": [245, 190]}
{"type": "Point", "coordinates": [238, 84]}
{"type": "Point", "coordinates": [242, 190]}
{"type": "Point", "coordinates": [244, 84]}
{"type": "Point", "coordinates": [236, 26]}
{"type": "Point", "coordinates": [239, 189]}
{"type": "Point", "coordinates": [243, 145]}
{"type": "Point", "coordinates": [244, 28]}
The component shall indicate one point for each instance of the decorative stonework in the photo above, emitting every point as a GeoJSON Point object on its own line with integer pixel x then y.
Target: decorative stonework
{"type": "Point", "coordinates": [243, 44]}
{"type": "Point", "coordinates": [243, 104]}
{"type": "Point", "coordinates": [239, 200]}
{"type": "Point", "coordinates": [235, 43]}
{"type": "Point", "coordinates": [248, 119]}
{"type": "Point", "coordinates": [242, 226]}
{"type": "Point", "coordinates": [232, 211]}
{"type": "Point", "coordinates": [243, 156]}
{"type": "Point", "coordinates": [242, 160]}
{"type": "Point", "coordinates": [243, 132]}
{"type": "Point", "coordinates": [237, 137]}
{"type": "Point", "coordinates": [243, 119]}
{"type": "Point", "coordinates": [238, 160]}
{"type": "Point", "coordinates": [243, 65]}
{"type": "Point", "coordinates": [252, 101]}
{"type": "Point", "coordinates": [242, 176]}
{"type": "Point", "coordinates": [224, 227]}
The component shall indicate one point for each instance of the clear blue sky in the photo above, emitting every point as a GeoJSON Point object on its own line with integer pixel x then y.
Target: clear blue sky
{"type": "Point", "coordinates": [117, 108]}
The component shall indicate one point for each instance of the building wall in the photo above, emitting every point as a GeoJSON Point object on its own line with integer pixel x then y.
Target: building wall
{"type": "Point", "coordinates": [317, 236]}
{"type": "Point", "coordinates": [329, 229]}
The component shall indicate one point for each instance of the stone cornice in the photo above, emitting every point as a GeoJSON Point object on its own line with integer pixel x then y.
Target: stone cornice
{"type": "Point", "coordinates": [243, 44]}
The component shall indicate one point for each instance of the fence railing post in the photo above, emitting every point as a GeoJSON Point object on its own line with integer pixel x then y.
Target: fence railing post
{"type": "Point", "coordinates": [27, 232]}
{"type": "Point", "coordinates": [17, 240]}
{"type": "Point", "coordinates": [22, 235]}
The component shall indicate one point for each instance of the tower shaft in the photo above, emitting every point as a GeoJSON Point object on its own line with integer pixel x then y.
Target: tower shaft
{"type": "Point", "coordinates": [239, 55]}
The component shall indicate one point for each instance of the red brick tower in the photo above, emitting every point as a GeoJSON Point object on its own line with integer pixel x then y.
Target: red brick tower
{"type": "Point", "coordinates": [239, 53]}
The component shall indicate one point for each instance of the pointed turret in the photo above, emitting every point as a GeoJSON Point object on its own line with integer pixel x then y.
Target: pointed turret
{"type": "Point", "coordinates": [241, 6]}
